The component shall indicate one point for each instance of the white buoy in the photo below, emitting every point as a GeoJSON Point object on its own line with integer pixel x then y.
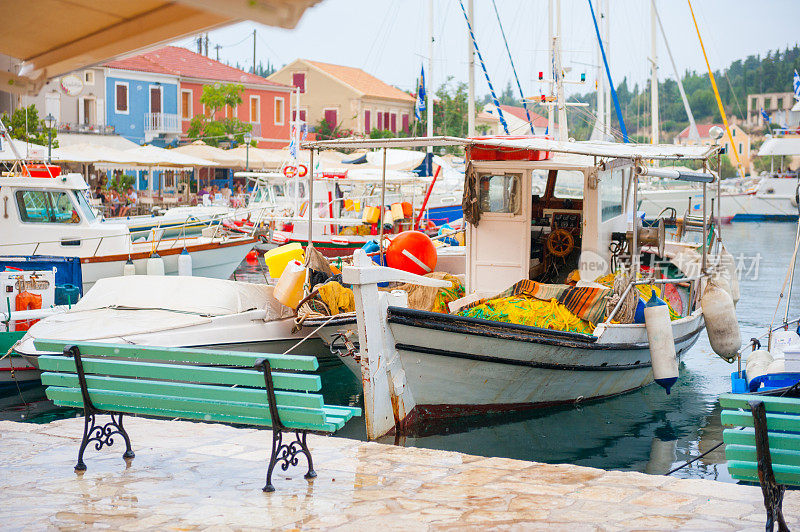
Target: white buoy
{"type": "Point", "coordinates": [776, 366]}
{"type": "Point", "coordinates": [758, 362]}
{"type": "Point", "coordinates": [727, 268]}
{"type": "Point", "coordinates": [719, 314]}
{"type": "Point", "coordinates": [129, 268]}
{"type": "Point", "coordinates": [782, 339]}
{"type": "Point", "coordinates": [662, 344]}
{"type": "Point", "coordinates": [185, 263]}
{"type": "Point", "coordinates": [155, 264]}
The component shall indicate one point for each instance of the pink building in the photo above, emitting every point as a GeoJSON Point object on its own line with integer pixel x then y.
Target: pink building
{"type": "Point", "coordinates": [265, 104]}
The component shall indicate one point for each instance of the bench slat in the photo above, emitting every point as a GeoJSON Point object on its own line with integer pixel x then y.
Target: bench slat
{"type": "Point", "coordinates": [152, 404]}
{"type": "Point", "coordinates": [787, 405]}
{"type": "Point", "coordinates": [747, 436]}
{"type": "Point", "coordinates": [222, 418]}
{"type": "Point", "coordinates": [184, 390]}
{"type": "Point", "coordinates": [784, 474]}
{"type": "Point", "coordinates": [174, 354]}
{"type": "Point", "coordinates": [175, 372]}
{"type": "Point", "coordinates": [747, 453]}
{"type": "Point", "coordinates": [342, 411]}
{"type": "Point", "coordinates": [739, 418]}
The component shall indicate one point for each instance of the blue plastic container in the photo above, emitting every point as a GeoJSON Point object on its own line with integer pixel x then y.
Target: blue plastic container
{"type": "Point", "coordinates": [68, 272]}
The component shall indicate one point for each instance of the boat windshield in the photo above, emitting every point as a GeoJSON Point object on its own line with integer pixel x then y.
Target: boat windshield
{"type": "Point", "coordinates": [569, 184]}
{"type": "Point", "coordinates": [83, 205]}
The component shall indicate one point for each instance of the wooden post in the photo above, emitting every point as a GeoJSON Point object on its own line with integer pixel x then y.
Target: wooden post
{"type": "Point", "coordinates": [772, 491]}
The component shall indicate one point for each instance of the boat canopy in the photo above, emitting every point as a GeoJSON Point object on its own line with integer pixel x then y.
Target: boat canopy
{"type": "Point", "coordinates": [193, 295]}
{"type": "Point", "coordinates": [589, 148]}
{"type": "Point", "coordinates": [780, 146]}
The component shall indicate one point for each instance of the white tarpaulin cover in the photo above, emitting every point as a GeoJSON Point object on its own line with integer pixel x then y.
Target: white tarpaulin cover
{"type": "Point", "coordinates": [780, 146]}
{"type": "Point", "coordinates": [196, 295]}
{"type": "Point", "coordinates": [25, 150]}
{"type": "Point", "coordinates": [395, 159]}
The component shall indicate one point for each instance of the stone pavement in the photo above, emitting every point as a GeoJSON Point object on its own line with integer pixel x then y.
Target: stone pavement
{"type": "Point", "coordinates": [189, 476]}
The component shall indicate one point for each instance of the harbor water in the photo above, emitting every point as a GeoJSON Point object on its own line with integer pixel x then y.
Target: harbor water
{"type": "Point", "coordinates": [646, 430]}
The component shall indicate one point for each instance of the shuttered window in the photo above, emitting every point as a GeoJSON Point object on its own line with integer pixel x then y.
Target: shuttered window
{"type": "Point", "coordinates": [331, 118]}
{"type": "Point", "coordinates": [299, 81]}
{"type": "Point", "coordinates": [367, 123]}
{"type": "Point", "coordinates": [121, 97]}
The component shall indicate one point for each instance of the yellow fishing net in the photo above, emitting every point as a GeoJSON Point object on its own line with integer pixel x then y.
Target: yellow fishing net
{"type": "Point", "coordinates": [524, 310]}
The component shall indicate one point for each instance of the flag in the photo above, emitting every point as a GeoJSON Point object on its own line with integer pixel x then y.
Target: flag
{"type": "Point", "coordinates": [765, 116]}
{"type": "Point", "coordinates": [796, 83]}
{"type": "Point", "coordinates": [420, 105]}
{"type": "Point", "coordinates": [293, 141]}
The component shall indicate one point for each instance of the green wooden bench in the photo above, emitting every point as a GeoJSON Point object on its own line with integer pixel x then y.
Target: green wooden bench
{"type": "Point", "coordinates": [764, 445]}
{"type": "Point", "coordinates": [276, 391]}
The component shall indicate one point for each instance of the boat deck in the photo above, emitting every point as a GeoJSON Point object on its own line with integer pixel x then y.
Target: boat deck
{"type": "Point", "coordinates": [196, 475]}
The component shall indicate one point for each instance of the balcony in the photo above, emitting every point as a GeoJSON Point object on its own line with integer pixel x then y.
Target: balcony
{"type": "Point", "coordinates": [161, 123]}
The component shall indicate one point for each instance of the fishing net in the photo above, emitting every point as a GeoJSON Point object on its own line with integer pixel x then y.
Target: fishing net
{"type": "Point", "coordinates": [527, 310]}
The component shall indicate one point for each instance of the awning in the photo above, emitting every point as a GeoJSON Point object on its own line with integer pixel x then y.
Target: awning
{"type": "Point", "coordinates": [155, 156]}
{"type": "Point", "coordinates": [116, 142]}
{"type": "Point", "coordinates": [48, 38]}
{"type": "Point", "coordinates": [780, 146]}
{"type": "Point", "coordinates": [26, 150]}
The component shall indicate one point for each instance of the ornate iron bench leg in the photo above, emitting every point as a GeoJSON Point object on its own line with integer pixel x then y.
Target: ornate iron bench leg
{"type": "Point", "coordinates": [772, 491]}
{"type": "Point", "coordinates": [102, 435]}
{"type": "Point", "coordinates": [283, 453]}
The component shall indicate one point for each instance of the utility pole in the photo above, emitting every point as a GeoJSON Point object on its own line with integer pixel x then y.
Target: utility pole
{"type": "Point", "coordinates": [206, 54]}
{"type": "Point", "coordinates": [607, 87]}
{"type": "Point", "coordinates": [654, 126]}
{"type": "Point", "coordinates": [429, 82]}
{"type": "Point", "coordinates": [254, 51]}
{"type": "Point", "coordinates": [471, 72]}
{"type": "Point", "coordinates": [217, 47]}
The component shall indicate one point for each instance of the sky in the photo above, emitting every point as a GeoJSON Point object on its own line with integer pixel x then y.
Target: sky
{"type": "Point", "coordinates": [389, 38]}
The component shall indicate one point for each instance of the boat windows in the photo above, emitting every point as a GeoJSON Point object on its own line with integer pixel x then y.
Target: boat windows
{"type": "Point", "coordinates": [499, 193]}
{"type": "Point", "coordinates": [569, 184]}
{"type": "Point", "coordinates": [83, 205]}
{"type": "Point", "coordinates": [611, 195]}
{"type": "Point", "coordinates": [40, 206]}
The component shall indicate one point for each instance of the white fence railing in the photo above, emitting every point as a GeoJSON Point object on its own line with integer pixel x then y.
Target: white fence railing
{"type": "Point", "coordinates": [162, 123]}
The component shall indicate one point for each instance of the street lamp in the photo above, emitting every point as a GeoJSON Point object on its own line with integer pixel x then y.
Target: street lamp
{"type": "Point", "coordinates": [49, 122]}
{"type": "Point", "coordinates": [247, 139]}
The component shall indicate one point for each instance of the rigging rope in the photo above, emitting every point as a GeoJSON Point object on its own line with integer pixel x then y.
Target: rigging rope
{"type": "Point", "coordinates": [608, 73]}
{"type": "Point", "coordinates": [483, 67]}
{"type": "Point", "coordinates": [513, 68]}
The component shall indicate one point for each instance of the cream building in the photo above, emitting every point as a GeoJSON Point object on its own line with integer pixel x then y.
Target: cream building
{"type": "Point", "coordinates": [346, 97]}
{"type": "Point", "coordinates": [740, 138]}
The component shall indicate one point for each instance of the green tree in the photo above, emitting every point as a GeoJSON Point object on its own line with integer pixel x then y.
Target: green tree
{"type": "Point", "coordinates": [324, 131]}
{"type": "Point", "coordinates": [726, 169]}
{"type": "Point", "coordinates": [24, 124]}
{"type": "Point", "coordinates": [449, 112]}
{"type": "Point", "coordinates": [207, 127]}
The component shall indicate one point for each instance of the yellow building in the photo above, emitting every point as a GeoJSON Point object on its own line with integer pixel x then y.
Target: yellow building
{"type": "Point", "coordinates": [741, 142]}
{"type": "Point", "coordinates": [346, 97]}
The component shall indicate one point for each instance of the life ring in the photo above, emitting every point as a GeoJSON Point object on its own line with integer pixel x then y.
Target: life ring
{"type": "Point", "coordinates": [302, 170]}
{"type": "Point", "coordinates": [560, 243]}
{"type": "Point", "coordinates": [290, 171]}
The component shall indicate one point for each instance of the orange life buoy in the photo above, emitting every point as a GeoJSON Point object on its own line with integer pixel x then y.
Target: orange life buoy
{"type": "Point", "coordinates": [27, 301]}
{"type": "Point", "coordinates": [302, 170]}
{"type": "Point", "coordinates": [290, 171]}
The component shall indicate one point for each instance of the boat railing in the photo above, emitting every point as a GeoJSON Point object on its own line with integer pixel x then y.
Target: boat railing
{"type": "Point", "coordinates": [649, 281]}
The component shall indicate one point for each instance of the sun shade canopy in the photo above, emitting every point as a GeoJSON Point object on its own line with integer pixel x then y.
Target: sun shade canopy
{"type": "Point", "coordinates": [49, 38]}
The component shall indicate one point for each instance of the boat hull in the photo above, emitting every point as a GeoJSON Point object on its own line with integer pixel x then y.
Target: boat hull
{"type": "Point", "coordinates": [217, 260]}
{"type": "Point", "coordinates": [458, 366]}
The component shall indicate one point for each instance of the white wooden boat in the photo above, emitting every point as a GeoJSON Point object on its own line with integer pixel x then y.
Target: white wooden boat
{"type": "Point", "coordinates": [418, 364]}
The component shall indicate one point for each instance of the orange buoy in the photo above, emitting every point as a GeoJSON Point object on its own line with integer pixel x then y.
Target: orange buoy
{"type": "Point", "coordinates": [412, 251]}
{"type": "Point", "coordinates": [252, 255]}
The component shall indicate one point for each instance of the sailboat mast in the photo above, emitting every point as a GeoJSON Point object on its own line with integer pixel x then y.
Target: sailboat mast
{"type": "Point", "coordinates": [429, 82]}
{"type": "Point", "coordinates": [600, 123]}
{"type": "Point", "coordinates": [550, 61]}
{"type": "Point", "coordinates": [654, 123]}
{"type": "Point", "coordinates": [471, 72]}
{"type": "Point", "coordinates": [562, 109]}
{"type": "Point", "coordinates": [694, 135]}
{"type": "Point", "coordinates": [606, 87]}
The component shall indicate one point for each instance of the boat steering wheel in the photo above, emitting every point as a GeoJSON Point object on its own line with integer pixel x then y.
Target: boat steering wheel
{"type": "Point", "coordinates": [560, 243]}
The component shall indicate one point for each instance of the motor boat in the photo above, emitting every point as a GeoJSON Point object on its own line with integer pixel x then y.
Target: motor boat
{"type": "Point", "coordinates": [46, 213]}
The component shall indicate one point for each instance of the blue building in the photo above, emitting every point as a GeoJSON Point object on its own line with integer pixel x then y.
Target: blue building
{"type": "Point", "coordinates": [143, 106]}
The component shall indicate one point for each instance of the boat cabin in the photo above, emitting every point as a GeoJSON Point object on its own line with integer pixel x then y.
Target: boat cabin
{"type": "Point", "coordinates": [516, 233]}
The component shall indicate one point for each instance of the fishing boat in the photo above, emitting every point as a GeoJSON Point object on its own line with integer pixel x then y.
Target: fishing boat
{"type": "Point", "coordinates": [418, 364]}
